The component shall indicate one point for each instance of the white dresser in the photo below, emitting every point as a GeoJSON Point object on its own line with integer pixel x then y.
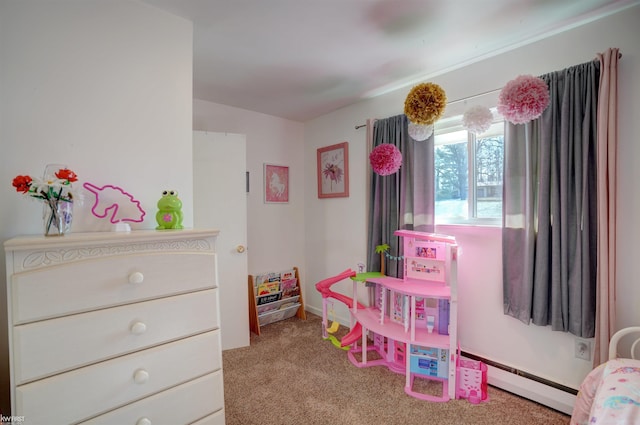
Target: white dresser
{"type": "Point", "coordinates": [115, 328]}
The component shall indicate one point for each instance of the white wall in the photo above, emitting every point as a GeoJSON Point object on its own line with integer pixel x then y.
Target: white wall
{"type": "Point", "coordinates": [104, 87]}
{"type": "Point", "coordinates": [275, 232]}
{"type": "Point", "coordinates": [336, 233]}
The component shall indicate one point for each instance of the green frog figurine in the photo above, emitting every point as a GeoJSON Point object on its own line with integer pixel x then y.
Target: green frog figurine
{"type": "Point", "coordinates": [169, 215]}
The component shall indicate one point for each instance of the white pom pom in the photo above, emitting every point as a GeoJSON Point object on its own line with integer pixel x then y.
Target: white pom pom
{"type": "Point", "coordinates": [477, 119]}
{"type": "Point", "coordinates": [420, 132]}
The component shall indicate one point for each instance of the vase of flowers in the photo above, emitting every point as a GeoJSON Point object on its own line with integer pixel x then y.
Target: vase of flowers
{"type": "Point", "coordinates": [57, 217]}
{"type": "Point", "coordinates": [55, 189]}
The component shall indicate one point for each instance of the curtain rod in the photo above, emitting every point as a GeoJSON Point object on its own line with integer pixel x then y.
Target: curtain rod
{"type": "Point", "coordinates": [454, 101]}
{"type": "Point", "coordinates": [364, 125]}
{"type": "Point", "coordinates": [477, 95]}
{"type": "Point", "coordinates": [462, 99]}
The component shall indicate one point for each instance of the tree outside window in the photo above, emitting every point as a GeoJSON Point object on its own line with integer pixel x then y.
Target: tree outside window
{"type": "Point", "coordinates": [469, 172]}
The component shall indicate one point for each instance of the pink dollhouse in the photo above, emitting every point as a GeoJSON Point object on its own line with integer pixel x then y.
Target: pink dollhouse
{"type": "Point", "coordinates": [412, 323]}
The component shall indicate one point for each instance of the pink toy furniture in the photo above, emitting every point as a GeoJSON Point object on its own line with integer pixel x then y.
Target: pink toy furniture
{"type": "Point", "coordinates": [472, 380]}
{"type": "Point", "coordinates": [413, 322]}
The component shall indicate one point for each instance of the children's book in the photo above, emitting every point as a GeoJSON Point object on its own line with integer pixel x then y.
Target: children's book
{"type": "Point", "coordinates": [265, 283]}
{"type": "Point", "coordinates": [289, 288]}
{"type": "Point", "coordinates": [267, 277]}
{"type": "Point", "coordinates": [264, 299]}
{"type": "Point", "coordinates": [288, 274]}
{"type": "Point", "coordinates": [266, 288]}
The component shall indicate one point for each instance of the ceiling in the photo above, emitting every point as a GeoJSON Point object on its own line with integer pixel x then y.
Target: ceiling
{"type": "Point", "coordinates": [300, 59]}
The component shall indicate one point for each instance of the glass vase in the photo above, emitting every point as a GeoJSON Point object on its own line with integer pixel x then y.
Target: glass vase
{"type": "Point", "coordinates": [50, 171]}
{"type": "Point", "coordinates": [57, 217]}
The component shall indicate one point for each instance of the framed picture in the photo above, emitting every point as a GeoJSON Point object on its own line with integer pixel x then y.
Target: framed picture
{"type": "Point", "coordinates": [333, 171]}
{"type": "Point", "coordinates": [276, 184]}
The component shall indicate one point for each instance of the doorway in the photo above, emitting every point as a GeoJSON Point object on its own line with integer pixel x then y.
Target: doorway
{"type": "Point", "coordinates": [220, 202]}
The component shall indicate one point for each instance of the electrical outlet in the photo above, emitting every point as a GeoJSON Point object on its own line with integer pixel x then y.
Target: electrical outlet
{"type": "Point", "coordinates": [583, 349]}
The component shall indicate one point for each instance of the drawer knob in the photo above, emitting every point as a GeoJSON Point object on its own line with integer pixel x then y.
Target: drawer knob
{"type": "Point", "coordinates": [138, 328]}
{"type": "Point", "coordinates": [140, 376]}
{"type": "Point", "coordinates": [143, 421]}
{"type": "Point", "coordinates": [136, 277]}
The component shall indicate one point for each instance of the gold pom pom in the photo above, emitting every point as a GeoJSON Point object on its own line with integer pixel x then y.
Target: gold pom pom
{"type": "Point", "coordinates": [425, 103]}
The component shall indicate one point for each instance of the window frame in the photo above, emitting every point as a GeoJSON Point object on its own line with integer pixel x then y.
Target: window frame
{"type": "Point", "coordinates": [454, 124]}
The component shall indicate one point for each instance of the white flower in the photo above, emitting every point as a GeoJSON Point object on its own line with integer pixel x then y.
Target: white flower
{"type": "Point", "coordinates": [420, 132]}
{"type": "Point", "coordinates": [477, 119]}
{"type": "Point", "coordinates": [51, 189]}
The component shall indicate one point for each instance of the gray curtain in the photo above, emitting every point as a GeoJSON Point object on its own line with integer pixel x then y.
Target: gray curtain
{"type": "Point", "coordinates": [404, 200]}
{"type": "Point", "coordinates": [549, 208]}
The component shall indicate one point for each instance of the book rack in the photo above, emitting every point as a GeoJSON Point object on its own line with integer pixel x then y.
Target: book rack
{"type": "Point", "coordinates": [273, 297]}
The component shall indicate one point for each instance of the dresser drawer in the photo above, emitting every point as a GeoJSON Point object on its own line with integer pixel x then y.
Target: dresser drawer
{"type": "Point", "coordinates": [183, 404]}
{"type": "Point", "coordinates": [81, 339]}
{"type": "Point", "coordinates": [215, 419]}
{"type": "Point", "coordinates": [83, 393]}
{"type": "Point", "coordinates": [86, 285]}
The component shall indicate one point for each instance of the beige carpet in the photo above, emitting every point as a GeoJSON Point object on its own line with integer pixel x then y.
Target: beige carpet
{"type": "Point", "coordinates": [290, 375]}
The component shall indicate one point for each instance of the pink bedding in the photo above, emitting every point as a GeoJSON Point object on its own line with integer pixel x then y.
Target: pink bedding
{"type": "Point", "coordinates": [610, 394]}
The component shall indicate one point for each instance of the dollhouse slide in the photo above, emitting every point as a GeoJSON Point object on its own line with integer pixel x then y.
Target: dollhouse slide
{"type": "Point", "coordinates": [324, 287]}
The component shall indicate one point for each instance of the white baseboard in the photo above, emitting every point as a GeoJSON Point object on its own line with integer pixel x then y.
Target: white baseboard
{"type": "Point", "coordinates": [316, 311]}
{"type": "Point", "coordinates": [554, 398]}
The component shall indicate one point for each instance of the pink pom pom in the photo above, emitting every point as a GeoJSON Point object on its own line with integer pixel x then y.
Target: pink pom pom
{"type": "Point", "coordinates": [385, 159]}
{"type": "Point", "coordinates": [523, 99]}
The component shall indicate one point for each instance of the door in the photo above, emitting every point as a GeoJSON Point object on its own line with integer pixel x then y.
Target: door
{"type": "Point", "coordinates": [220, 202]}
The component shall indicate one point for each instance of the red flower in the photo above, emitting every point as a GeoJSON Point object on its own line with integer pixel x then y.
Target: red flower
{"type": "Point", "coordinates": [66, 174]}
{"type": "Point", "coordinates": [22, 183]}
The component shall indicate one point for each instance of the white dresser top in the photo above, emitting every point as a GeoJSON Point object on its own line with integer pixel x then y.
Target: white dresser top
{"type": "Point", "coordinates": [76, 239]}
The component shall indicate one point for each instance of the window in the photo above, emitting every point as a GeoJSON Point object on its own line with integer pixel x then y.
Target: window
{"type": "Point", "coordinates": [469, 169]}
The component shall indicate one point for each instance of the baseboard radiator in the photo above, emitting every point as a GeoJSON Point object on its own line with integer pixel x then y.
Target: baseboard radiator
{"type": "Point", "coordinates": [529, 386]}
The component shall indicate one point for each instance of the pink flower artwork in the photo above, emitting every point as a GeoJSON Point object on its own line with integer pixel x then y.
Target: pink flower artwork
{"type": "Point", "coordinates": [333, 171]}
